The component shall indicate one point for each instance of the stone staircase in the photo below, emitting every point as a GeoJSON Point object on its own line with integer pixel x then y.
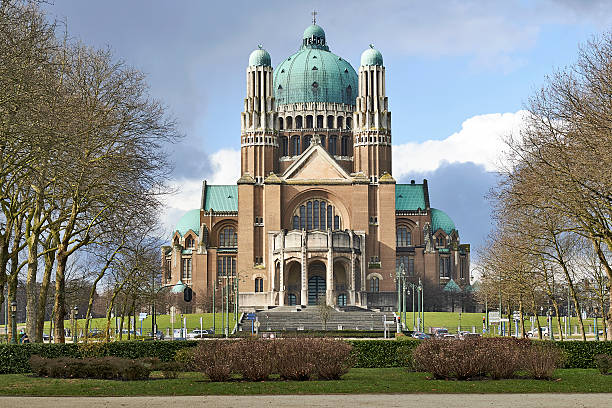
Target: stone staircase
{"type": "Point", "coordinates": [308, 318]}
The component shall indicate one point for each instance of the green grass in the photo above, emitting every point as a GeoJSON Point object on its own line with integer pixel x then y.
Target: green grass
{"type": "Point", "coordinates": [163, 322]}
{"type": "Point", "coordinates": [358, 380]}
{"type": "Point", "coordinates": [451, 320]}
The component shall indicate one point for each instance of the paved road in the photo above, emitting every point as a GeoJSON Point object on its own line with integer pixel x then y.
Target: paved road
{"type": "Point", "coordinates": [335, 401]}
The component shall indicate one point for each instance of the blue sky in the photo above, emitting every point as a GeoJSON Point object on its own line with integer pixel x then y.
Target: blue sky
{"type": "Point", "coordinates": [458, 74]}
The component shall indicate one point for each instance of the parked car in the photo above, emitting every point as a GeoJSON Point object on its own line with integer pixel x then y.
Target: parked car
{"type": "Point", "coordinates": [420, 336]}
{"type": "Point", "coordinates": [439, 332]}
{"type": "Point", "coordinates": [449, 337]}
{"type": "Point", "coordinates": [197, 334]}
{"type": "Point", "coordinates": [158, 335]}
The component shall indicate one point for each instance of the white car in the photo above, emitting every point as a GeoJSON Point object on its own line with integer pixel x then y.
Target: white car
{"type": "Point", "coordinates": [197, 334]}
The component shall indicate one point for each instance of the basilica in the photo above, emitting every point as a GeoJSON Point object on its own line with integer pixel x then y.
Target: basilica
{"type": "Point", "coordinates": [316, 215]}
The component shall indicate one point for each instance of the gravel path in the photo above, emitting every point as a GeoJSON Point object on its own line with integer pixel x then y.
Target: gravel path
{"type": "Point", "coordinates": [335, 401]}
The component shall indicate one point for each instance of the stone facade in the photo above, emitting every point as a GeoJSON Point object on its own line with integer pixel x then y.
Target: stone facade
{"type": "Point", "coordinates": [316, 214]}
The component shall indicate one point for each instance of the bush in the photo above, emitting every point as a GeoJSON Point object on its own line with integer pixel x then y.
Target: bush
{"type": "Point", "coordinates": [294, 359]}
{"type": "Point", "coordinates": [185, 358]}
{"type": "Point", "coordinates": [504, 356]}
{"type": "Point", "coordinates": [603, 362]}
{"type": "Point", "coordinates": [332, 358]}
{"type": "Point", "coordinates": [541, 360]}
{"type": "Point", "coordinates": [383, 353]}
{"type": "Point", "coordinates": [215, 359]}
{"type": "Point", "coordinates": [254, 359]}
{"type": "Point", "coordinates": [170, 369]}
{"type": "Point", "coordinates": [106, 368]}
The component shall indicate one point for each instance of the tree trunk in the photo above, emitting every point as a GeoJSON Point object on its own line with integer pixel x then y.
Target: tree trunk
{"type": "Point", "coordinates": [31, 289]}
{"type": "Point", "coordinates": [12, 296]}
{"type": "Point", "coordinates": [43, 294]}
{"type": "Point", "coordinates": [522, 317]}
{"type": "Point", "coordinates": [608, 269]}
{"type": "Point", "coordinates": [556, 307]}
{"type": "Point", "coordinates": [59, 306]}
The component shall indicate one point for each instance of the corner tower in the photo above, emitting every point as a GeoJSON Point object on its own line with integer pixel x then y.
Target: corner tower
{"type": "Point", "coordinates": [372, 136]}
{"type": "Point", "coordinates": [259, 135]}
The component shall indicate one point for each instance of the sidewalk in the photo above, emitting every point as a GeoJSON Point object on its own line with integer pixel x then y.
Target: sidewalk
{"type": "Point", "coordinates": [335, 401]}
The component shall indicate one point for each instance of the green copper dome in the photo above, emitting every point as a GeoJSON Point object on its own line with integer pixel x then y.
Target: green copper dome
{"type": "Point", "coordinates": [189, 221]}
{"type": "Point", "coordinates": [313, 31]}
{"type": "Point", "coordinates": [260, 57]}
{"type": "Point", "coordinates": [314, 74]}
{"type": "Point", "coordinates": [371, 56]}
{"type": "Point", "coordinates": [441, 220]}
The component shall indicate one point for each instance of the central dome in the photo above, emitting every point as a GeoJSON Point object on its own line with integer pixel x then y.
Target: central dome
{"type": "Point", "coordinates": [314, 74]}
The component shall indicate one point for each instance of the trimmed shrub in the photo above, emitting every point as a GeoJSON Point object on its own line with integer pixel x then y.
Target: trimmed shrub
{"type": "Point", "coordinates": [214, 358]}
{"type": "Point", "coordinates": [255, 359]}
{"type": "Point", "coordinates": [541, 360]}
{"type": "Point", "coordinates": [332, 358]}
{"type": "Point", "coordinates": [107, 368]}
{"type": "Point", "coordinates": [383, 353]}
{"type": "Point", "coordinates": [185, 358]}
{"type": "Point", "coordinates": [294, 359]}
{"type": "Point", "coordinates": [603, 362]}
{"type": "Point", "coordinates": [170, 369]}
{"type": "Point", "coordinates": [504, 356]}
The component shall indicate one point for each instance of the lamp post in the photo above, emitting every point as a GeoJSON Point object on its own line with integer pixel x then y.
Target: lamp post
{"type": "Point", "coordinates": [422, 305]}
{"type": "Point", "coordinates": [75, 312]}
{"type": "Point", "coordinates": [400, 276]}
{"type": "Point", "coordinates": [14, 322]}
{"type": "Point", "coordinates": [596, 328]}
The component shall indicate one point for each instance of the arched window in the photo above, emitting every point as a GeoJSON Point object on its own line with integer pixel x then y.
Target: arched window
{"type": "Point", "coordinates": [344, 148]}
{"type": "Point", "coordinates": [332, 145]}
{"type": "Point", "coordinates": [349, 94]}
{"type": "Point", "coordinates": [330, 122]}
{"type": "Point", "coordinates": [258, 284]}
{"type": "Point", "coordinates": [189, 242]}
{"type": "Point", "coordinates": [306, 142]}
{"type": "Point", "coordinates": [440, 241]}
{"type": "Point", "coordinates": [309, 121]}
{"type": "Point", "coordinates": [228, 238]}
{"type": "Point", "coordinates": [298, 122]}
{"type": "Point", "coordinates": [295, 145]}
{"type": "Point", "coordinates": [349, 123]}
{"type": "Point", "coordinates": [289, 123]}
{"type": "Point", "coordinates": [319, 121]}
{"type": "Point", "coordinates": [315, 214]}
{"type": "Point", "coordinates": [374, 284]}
{"type": "Point", "coordinates": [284, 146]}
{"type": "Point", "coordinates": [280, 123]}
{"type": "Point", "coordinates": [403, 237]}
{"type": "Point", "coordinates": [322, 138]}
{"type": "Point", "coordinates": [340, 122]}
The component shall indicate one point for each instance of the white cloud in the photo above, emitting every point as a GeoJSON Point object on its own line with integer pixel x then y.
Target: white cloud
{"type": "Point", "coordinates": [187, 192]}
{"type": "Point", "coordinates": [479, 141]}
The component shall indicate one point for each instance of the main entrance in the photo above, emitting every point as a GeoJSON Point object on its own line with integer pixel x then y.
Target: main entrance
{"type": "Point", "coordinates": [316, 289]}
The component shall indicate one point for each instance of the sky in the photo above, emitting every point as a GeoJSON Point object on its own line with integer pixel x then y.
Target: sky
{"type": "Point", "coordinates": [458, 73]}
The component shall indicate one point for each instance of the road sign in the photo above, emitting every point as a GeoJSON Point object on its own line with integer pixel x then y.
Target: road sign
{"type": "Point", "coordinates": [516, 315]}
{"type": "Point", "coordinates": [251, 316]}
{"type": "Point", "coordinates": [494, 317]}
{"type": "Point", "coordinates": [142, 316]}
{"type": "Point", "coordinates": [257, 324]}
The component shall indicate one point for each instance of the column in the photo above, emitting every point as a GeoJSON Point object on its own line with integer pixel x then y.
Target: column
{"type": "Point", "coordinates": [281, 278]}
{"type": "Point", "coordinates": [329, 273]}
{"type": "Point", "coordinates": [304, 292]}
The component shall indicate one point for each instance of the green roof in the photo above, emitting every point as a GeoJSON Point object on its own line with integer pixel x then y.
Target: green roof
{"type": "Point", "coordinates": [221, 198]}
{"type": "Point", "coordinates": [189, 221]}
{"type": "Point", "coordinates": [260, 57]}
{"type": "Point", "coordinates": [451, 286]}
{"type": "Point", "coordinates": [409, 197]}
{"type": "Point", "coordinates": [371, 56]}
{"type": "Point", "coordinates": [441, 220]}
{"type": "Point", "coordinates": [314, 74]}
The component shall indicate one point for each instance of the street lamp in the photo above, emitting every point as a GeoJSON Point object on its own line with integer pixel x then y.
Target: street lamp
{"type": "Point", "coordinates": [178, 288]}
{"type": "Point", "coordinates": [596, 328]}
{"type": "Point", "coordinates": [75, 338]}
{"type": "Point", "coordinates": [14, 322]}
{"type": "Point", "coordinates": [400, 276]}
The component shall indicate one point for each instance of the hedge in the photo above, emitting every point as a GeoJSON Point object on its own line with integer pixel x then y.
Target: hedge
{"type": "Point", "coordinates": [14, 358]}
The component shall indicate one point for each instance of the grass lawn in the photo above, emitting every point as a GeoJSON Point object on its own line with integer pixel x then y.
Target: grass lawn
{"type": "Point", "coordinates": [358, 380]}
{"type": "Point", "coordinates": [163, 322]}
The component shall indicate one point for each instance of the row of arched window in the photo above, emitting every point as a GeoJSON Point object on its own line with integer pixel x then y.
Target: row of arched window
{"type": "Point", "coordinates": [316, 215]}
{"type": "Point", "coordinates": [292, 147]}
{"type": "Point", "coordinates": [289, 123]}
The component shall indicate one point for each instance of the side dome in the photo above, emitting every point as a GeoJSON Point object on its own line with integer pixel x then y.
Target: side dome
{"type": "Point", "coordinates": [441, 220]}
{"type": "Point", "coordinates": [371, 56]}
{"type": "Point", "coordinates": [189, 221]}
{"type": "Point", "coordinates": [260, 57]}
{"type": "Point", "coordinates": [314, 74]}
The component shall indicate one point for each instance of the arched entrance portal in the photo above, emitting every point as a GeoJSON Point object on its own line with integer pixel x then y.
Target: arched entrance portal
{"type": "Point", "coordinates": [316, 289]}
